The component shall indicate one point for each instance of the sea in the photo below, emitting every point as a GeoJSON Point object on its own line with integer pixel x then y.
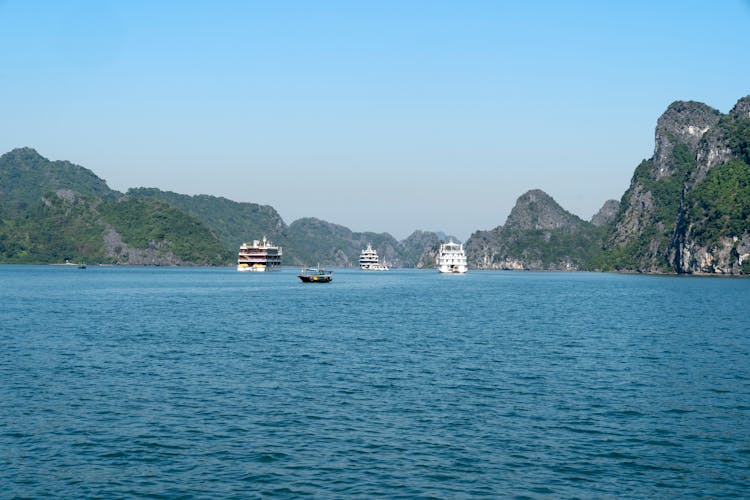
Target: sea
{"type": "Point", "coordinates": [152, 382]}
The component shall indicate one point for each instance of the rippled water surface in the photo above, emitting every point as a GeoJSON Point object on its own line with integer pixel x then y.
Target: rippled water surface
{"type": "Point", "coordinates": [136, 382]}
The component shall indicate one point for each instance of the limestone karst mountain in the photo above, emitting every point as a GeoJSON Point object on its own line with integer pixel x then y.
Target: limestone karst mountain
{"type": "Point", "coordinates": [687, 209]}
{"type": "Point", "coordinates": [538, 234]}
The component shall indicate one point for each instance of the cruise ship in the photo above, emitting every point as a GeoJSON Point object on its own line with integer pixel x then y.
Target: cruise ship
{"type": "Point", "coordinates": [452, 258]}
{"type": "Point", "coordinates": [369, 261]}
{"type": "Point", "coordinates": [260, 256]}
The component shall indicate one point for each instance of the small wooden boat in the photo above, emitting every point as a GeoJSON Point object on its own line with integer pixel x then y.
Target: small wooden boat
{"type": "Point", "coordinates": [315, 275]}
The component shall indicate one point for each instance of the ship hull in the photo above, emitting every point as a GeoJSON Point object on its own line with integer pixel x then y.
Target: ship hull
{"type": "Point", "coordinates": [252, 269]}
{"type": "Point", "coordinates": [315, 279]}
{"type": "Point", "coordinates": [453, 269]}
{"type": "Point", "coordinates": [374, 267]}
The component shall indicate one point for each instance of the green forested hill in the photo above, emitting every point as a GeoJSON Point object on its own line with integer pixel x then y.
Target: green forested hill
{"type": "Point", "coordinates": [61, 227]}
{"type": "Point", "coordinates": [305, 241]}
{"type": "Point", "coordinates": [173, 234]}
{"type": "Point", "coordinates": [68, 226]}
{"type": "Point", "coordinates": [51, 211]}
{"type": "Point", "coordinates": [233, 222]}
{"type": "Point", "coordinates": [54, 210]}
{"type": "Point", "coordinates": [25, 176]}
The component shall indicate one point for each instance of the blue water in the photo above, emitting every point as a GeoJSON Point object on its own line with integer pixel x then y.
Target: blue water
{"type": "Point", "coordinates": [208, 383]}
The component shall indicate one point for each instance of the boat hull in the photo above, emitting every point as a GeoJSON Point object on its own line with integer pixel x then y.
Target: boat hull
{"type": "Point", "coordinates": [374, 267]}
{"type": "Point", "coordinates": [453, 269]}
{"type": "Point", "coordinates": [251, 269]}
{"type": "Point", "coordinates": [315, 278]}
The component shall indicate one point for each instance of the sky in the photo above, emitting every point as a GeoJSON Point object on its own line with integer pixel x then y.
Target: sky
{"type": "Point", "coordinates": [385, 116]}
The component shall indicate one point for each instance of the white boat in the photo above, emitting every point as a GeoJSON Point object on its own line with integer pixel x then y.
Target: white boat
{"type": "Point", "coordinates": [260, 256]}
{"type": "Point", "coordinates": [452, 258]}
{"type": "Point", "coordinates": [369, 261]}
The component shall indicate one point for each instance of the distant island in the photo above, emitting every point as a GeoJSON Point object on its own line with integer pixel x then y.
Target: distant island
{"type": "Point", "coordinates": [687, 210]}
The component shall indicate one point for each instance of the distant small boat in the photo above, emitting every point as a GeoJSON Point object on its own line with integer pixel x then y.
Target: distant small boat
{"type": "Point", "coordinates": [315, 275]}
{"type": "Point", "coordinates": [81, 265]}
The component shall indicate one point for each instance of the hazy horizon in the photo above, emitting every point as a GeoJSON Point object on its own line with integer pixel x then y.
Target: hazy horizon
{"type": "Point", "coordinates": [432, 116]}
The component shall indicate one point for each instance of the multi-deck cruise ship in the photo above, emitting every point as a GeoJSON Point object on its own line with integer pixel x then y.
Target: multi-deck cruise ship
{"type": "Point", "coordinates": [369, 261]}
{"type": "Point", "coordinates": [260, 256]}
{"type": "Point", "coordinates": [452, 258]}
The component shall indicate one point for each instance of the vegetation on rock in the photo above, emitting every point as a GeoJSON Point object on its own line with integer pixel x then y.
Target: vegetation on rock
{"type": "Point", "coordinates": [233, 222]}
{"type": "Point", "coordinates": [720, 205]}
{"type": "Point", "coordinates": [687, 210]}
{"type": "Point", "coordinates": [539, 234]}
{"type": "Point", "coordinates": [146, 223]}
{"type": "Point", "coordinates": [58, 229]}
{"type": "Point", "coordinates": [66, 226]}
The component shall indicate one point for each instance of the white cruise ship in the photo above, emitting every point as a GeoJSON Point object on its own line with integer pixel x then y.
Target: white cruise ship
{"type": "Point", "coordinates": [260, 256]}
{"type": "Point", "coordinates": [369, 261]}
{"type": "Point", "coordinates": [452, 258]}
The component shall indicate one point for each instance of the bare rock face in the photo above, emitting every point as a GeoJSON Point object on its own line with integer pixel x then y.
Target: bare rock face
{"type": "Point", "coordinates": [157, 253]}
{"type": "Point", "coordinates": [715, 148]}
{"type": "Point", "coordinates": [607, 214]}
{"type": "Point", "coordinates": [712, 151]}
{"type": "Point", "coordinates": [682, 122]}
{"type": "Point", "coordinates": [724, 256]}
{"type": "Point", "coordinates": [636, 217]}
{"type": "Point", "coordinates": [741, 109]}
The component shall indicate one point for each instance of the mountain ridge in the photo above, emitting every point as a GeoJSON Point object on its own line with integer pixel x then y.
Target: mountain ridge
{"type": "Point", "coordinates": [686, 211]}
{"type": "Point", "coordinates": [31, 182]}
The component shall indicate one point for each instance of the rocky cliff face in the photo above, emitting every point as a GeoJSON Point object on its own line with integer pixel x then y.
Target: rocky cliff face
{"type": "Point", "coordinates": [538, 234]}
{"type": "Point", "coordinates": [687, 207]}
{"type": "Point", "coordinates": [650, 205]}
{"type": "Point", "coordinates": [682, 123]}
{"type": "Point", "coordinates": [607, 214]}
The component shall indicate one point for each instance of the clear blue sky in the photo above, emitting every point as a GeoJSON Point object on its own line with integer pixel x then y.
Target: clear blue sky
{"type": "Point", "coordinates": [382, 115]}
